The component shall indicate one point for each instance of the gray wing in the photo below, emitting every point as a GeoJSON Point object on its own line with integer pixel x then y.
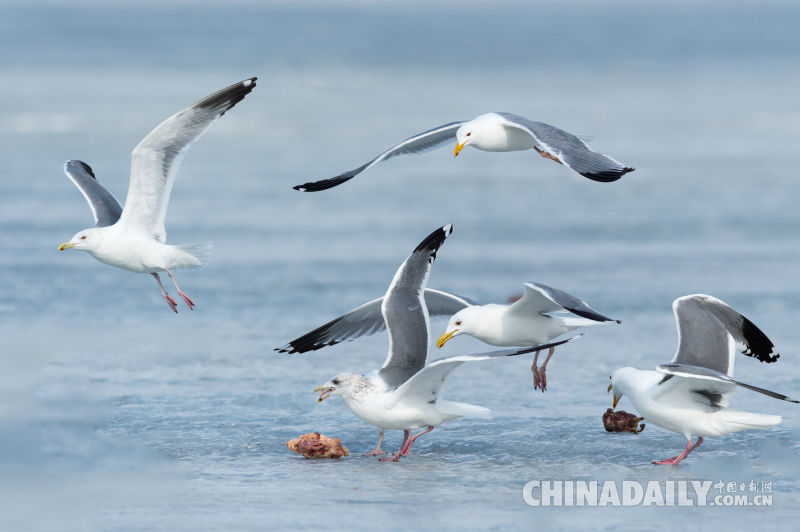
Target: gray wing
{"type": "Point", "coordinates": [426, 385]}
{"type": "Point", "coordinates": [711, 383]}
{"type": "Point", "coordinates": [155, 160]}
{"type": "Point", "coordinates": [105, 208]}
{"type": "Point", "coordinates": [419, 143]}
{"type": "Point", "coordinates": [367, 319]}
{"type": "Point", "coordinates": [570, 150]}
{"type": "Point", "coordinates": [542, 299]}
{"type": "Point", "coordinates": [706, 326]}
{"type": "Point", "coordinates": [405, 313]}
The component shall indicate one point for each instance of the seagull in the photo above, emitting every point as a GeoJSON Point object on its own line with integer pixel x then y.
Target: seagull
{"type": "Point", "coordinates": [134, 238]}
{"type": "Point", "coordinates": [539, 316]}
{"type": "Point", "coordinates": [690, 395]}
{"type": "Point", "coordinates": [405, 394]}
{"type": "Point", "coordinates": [498, 132]}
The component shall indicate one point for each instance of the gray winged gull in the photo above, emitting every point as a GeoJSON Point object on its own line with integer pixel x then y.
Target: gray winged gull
{"type": "Point", "coordinates": [539, 316]}
{"type": "Point", "coordinates": [134, 238]}
{"type": "Point", "coordinates": [405, 394]}
{"type": "Point", "coordinates": [690, 395]}
{"type": "Point", "coordinates": [536, 318]}
{"type": "Point", "coordinates": [498, 132]}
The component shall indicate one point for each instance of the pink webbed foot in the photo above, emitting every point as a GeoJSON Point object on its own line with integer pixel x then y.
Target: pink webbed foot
{"type": "Point", "coordinates": [666, 461]}
{"type": "Point", "coordinates": [376, 452]}
{"type": "Point", "coordinates": [187, 300]}
{"type": "Point", "coordinates": [171, 302]}
{"type": "Point", "coordinates": [394, 458]}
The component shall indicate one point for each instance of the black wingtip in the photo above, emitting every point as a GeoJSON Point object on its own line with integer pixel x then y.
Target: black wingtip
{"type": "Point", "coordinates": [228, 97]}
{"type": "Point", "coordinates": [758, 345]}
{"type": "Point", "coordinates": [608, 176]}
{"type": "Point", "coordinates": [619, 322]}
{"type": "Point", "coordinates": [325, 184]}
{"type": "Point", "coordinates": [434, 240]}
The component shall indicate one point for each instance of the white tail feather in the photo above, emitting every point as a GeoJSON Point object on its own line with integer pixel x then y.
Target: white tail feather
{"type": "Point", "coordinates": [195, 255]}
{"type": "Point", "coordinates": [462, 409]}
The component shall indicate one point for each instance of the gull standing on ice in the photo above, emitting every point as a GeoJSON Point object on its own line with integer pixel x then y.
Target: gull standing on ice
{"type": "Point", "coordinates": [405, 394]}
{"type": "Point", "coordinates": [498, 132]}
{"type": "Point", "coordinates": [690, 395]}
{"type": "Point", "coordinates": [537, 317]}
{"type": "Point", "coordinates": [134, 238]}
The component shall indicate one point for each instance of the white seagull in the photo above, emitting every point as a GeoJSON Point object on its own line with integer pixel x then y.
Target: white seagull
{"type": "Point", "coordinates": [134, 238]}
{"type": "Point", "coordinates": [539, 316]}
{"type": "Point", "coordinates": [498, 132]}
{"type": "Point", "coordinates": [690, 395]}
{"type": "Point", "coordinates": [405, 394]}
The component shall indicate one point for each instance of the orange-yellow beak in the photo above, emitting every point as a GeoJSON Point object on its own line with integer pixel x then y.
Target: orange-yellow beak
{"type": "Point", "coordinates": [616, 397]}
{"type": "Point", "coordinates": [445, 337]}
{"type": "Point", "coordinates": [458, 149]}
{"type": "Point", "coordinates": [66, 245]}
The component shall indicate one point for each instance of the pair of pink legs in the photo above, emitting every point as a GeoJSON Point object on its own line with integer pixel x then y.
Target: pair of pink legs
{"type": "Point", "coordinates": [539, 375]}
{"type": "Point", "coordinates": [405, 447]}
{"type": "Point", "coordinates": [168, 298]}
{"type": "Point", "coordinates": [675, 459]}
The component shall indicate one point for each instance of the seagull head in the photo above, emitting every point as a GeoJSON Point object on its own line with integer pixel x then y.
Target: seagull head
{"type": "Point", "coordinates": [484, 132]}
{"type": "Point", "coordinates": [622, 381]}
{"type": "Point", "coordinates": [343, 384]}
{"type": "Point", "coordinates": [463, 136]}
{"type": "Point", "coordinates": [86, 240]}
{"type": "Point", "coordinates": [463, 321]}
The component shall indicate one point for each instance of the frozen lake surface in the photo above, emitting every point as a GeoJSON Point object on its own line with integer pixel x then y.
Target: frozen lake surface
{"type": "Point", "coordinates": [117, 414]}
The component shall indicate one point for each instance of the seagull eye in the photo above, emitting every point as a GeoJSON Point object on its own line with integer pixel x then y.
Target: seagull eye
{"type": "Point", "coordinates": [470, 133]}
{"type": "Point", "coordinates": [458, 322]}
{"type": "Point", "coordinates": [83, 237]}
{"type": "Point", "coordinates": [336, 381]}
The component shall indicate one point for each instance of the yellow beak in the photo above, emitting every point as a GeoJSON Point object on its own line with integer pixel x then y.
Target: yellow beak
{"type": "Point", "coordinates": [616, 397]}
{"type": "Point", "coordinates": [458, 149]}
{"type": "Point", "coordinates": [66, 245]}
{"type": "Point", "coordinates": [444, 338]}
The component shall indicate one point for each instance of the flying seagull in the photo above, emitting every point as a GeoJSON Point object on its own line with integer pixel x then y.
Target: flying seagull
{"type": "Point", "coordinates": [690, 395]}
{"type": "Point", "coordinates": [134, 238]}
{"type": "Point", "coordinates": [498, 132]}
{"type": "Point", "coordinates": [405, 394]}
{"type": "Point", "coordinates": [539, 316]}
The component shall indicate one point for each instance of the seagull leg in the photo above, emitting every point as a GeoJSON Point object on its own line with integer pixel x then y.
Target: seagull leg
{"type": "Point", "coordinates": [406, 447]}
{"type": "Point", "coordinates": [544, 367]}
{"type": "Point", "coordinates": [547, 155]}
{"type": "Point", "coordinates": [396, 456]}
{"type": "Point", "coordinates": [186, 299]}
{"type": "Point", "coordinates": [377, 451]}
{"type": "Point", "coordinates": [165, 295]}
{"type": "Point", "coordinates": [676, 459]}
{"type": "Point", "coordinates": [535, 370]}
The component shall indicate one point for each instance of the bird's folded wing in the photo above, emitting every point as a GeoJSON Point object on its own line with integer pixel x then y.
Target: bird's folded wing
{"type": "Point", "coordinates": [105, 208]}
{"type": "Point", "coordinates": [421, 142]}
{"type": "Point", "coordinates": [155, 160]}
{"type": "Point", "coordinates": [426, 385]}
{"type": "Point", "coordinates": [542, 299]}
{"type": "Point", "coordinates": [367, 319]}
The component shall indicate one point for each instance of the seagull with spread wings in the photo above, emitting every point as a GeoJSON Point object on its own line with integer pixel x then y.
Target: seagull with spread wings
{"type": "Point", "coordinates": [497, 132]}
{"type": "Point", "coordinates": [690, 395]}
{"type": "Point", "coordinates": [134, 238]}
{"type": "Point", "coordinates": [405, 394]}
